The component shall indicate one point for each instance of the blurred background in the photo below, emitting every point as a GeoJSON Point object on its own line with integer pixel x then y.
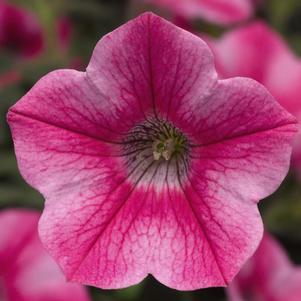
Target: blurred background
{"type": "Point", "coordinates": [38, 36]}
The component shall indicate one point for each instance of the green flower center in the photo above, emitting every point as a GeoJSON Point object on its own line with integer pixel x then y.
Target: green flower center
{"type": "Point", "coordinates": [168, 147]}
{"type": "Point", "coordinates": [156, 149]}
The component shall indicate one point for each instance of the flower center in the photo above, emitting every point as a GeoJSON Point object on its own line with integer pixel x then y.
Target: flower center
{"type": "Point", "coordinates": [156, 151]}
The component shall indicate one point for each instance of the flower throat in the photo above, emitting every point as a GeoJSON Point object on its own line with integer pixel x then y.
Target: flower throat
{"type": "Point", "coordinates": [156, 150]}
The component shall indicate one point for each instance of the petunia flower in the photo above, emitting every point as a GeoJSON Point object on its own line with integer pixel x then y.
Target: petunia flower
{"type": "Point", "coordinates": [27, 272]}
{"type": "Point", "coordinates": [149, 164]}
{"type": "Point", "coordinates": [222, 12]}
{"type": "Point", "coordinates": [268, 276]}
{"type": "Point", "coordinates": [258, 52]}
{"type": "Point", "coordinates": [20, 31]}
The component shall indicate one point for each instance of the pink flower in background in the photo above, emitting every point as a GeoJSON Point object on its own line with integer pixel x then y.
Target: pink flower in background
{"type": "Point", "coordinates": [20, 31]}
{"type": "Point", "coordinates": [148, 163]}
{"type": "Point", "coordinates": [268, 276]}
{"type": "Point", "coordinates": [64, 32]}
{"type": "Point", "coordinates": [258, 52]}
{"type": "Point", "coordinates": [27, 271]}
{"type": "Point", "coordinates": [21, 34]}
{"type": "Point", "coordinates": [222, 12]}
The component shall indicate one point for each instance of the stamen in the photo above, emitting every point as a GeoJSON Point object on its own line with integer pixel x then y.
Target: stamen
{"type": "Point", "coordinates": [163, 149]}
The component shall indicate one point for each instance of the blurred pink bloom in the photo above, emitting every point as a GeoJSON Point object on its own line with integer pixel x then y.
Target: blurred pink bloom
{"type": "Point", "coordinates": [27, 271]}
{"type": "Point", "coordinates": [22, 34]}
{"type": "Point", "coordinates": [64, 31]}
{"type": "Point", "coordinates": [20, 31]}
{"type": "Point", "coordinates": [268, 276]}
{"type": "Point", "coordinates": [148, 163]}
{"type": "Point", "coordinates": [258, 52]}
{"type": "Point", "coordinates": [222, 12]}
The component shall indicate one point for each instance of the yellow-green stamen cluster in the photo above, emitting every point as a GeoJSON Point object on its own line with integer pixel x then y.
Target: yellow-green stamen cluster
{"type": "Point", "coordinates": [167, 147]}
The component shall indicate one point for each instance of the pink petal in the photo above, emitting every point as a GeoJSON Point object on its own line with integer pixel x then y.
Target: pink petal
{"type": "Point", "coordinates": [82, 167]}
{"type": "Point", "coordinates": [77, 106]}
{"type": "Point", "coordinates": [189, 232]}
{"type": "Point", "coordinates": [27, 271]}
{"type": "Point", "coordinates": [258, 52]}
{"type": "Point", "coordinates": [236, 108]}
{"type": "Point", "coordinates": [160, 235]}
{"type": "Point", "coordinates": [217, 11]}
{"type": "Point", "coordinates": [268, 275]}
{"type": "Point", "coordinates": [149, 62]}
{"type": "Point", "coordinates": [248, 156]}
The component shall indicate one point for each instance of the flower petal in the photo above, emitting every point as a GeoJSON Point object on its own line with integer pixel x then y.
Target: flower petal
{"type": "Point", "coordinates": [259, 52]}
{"type": "Point", "coordinates": [76, 106]}
{"type": "Point", "coordinates": [160, 235]}
{"type": "Point", "coordinates": [236, 107]}
{"type": "Point", "coordinates": [231, 227]}
{"type": "Point", "coordinates": [84, 182]}
{"type": "Point", "coordinates": [245, 140]}
{"type": "Point", "coordinates": [151, 64]}
{"type": "Point", "coordinates": [242, 157]}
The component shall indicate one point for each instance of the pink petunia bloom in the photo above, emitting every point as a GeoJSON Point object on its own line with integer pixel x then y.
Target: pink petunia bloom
{"type": "Point", "coordinates": [268, 276]}
{"type": "Point", "coordinates": [258, 52]}
{"type": "Point", "coordinates": [223, 12]}
{"type": "Point", "coordinates": [27, 272]}
{"type": "Point", "coordinates": [20, 31]}
{"type": "Point", "coordinates": [149, 163]}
